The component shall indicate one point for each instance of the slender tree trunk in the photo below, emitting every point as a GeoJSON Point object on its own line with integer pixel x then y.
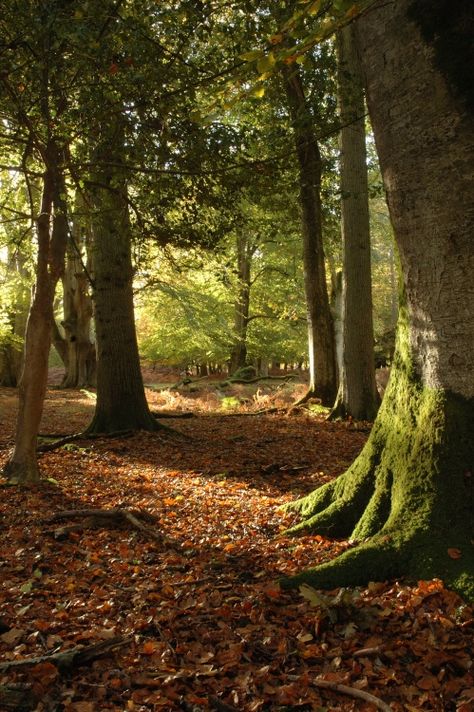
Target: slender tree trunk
{"type": "Point", "coordinates": [238, 357]}
{"type": "Point", "coordinates": [121, 403]}
{"type": "Point", "coordinates": [80, 357]}
{"type": "Point", "coordinates": [22, 466]}
{"type": "Point", "coordinates": [357, 396]}
{"type": "Point", "coordinates": [321, 348]}
{"type": "Point", "coordinates": [408, 499]}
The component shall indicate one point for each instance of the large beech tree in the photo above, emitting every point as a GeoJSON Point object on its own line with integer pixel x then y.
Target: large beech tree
{"type": "Point", "coordinates": [407, 501]}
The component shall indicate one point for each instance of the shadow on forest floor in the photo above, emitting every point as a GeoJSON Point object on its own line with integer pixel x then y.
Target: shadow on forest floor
{"type": "Point", "coordinates": [205, 624]}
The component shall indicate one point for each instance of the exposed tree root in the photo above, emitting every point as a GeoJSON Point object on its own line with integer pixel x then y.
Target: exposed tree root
{"type": "Point", "coordinates": [309, 395]}
{"type": "Point", "coordinates": [69, 659]}
{"type": "Point", "coordinates": [49, 447]}
{"type": "Point", "coordinates": [407, 500]}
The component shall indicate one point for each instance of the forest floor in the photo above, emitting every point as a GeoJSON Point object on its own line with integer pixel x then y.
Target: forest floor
{"type": "Point", "coordinates": [187, 611]}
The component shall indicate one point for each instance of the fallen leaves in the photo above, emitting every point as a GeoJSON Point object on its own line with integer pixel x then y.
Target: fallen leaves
{"type": "Point", "coordinates": [206, 624]}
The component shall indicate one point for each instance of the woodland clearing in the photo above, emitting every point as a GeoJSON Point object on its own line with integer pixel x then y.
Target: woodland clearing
{"type": "Point", "coordinates": [190, 602]}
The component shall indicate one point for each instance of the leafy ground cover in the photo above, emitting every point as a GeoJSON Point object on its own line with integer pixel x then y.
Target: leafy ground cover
{"type": "Point", "coordinates": [187, 608]}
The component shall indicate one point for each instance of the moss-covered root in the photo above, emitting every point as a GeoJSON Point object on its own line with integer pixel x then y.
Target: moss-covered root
{"type": "Point", "coordinates": [382, 558]}
{"type": "Point", "coordinates": [408, 499]}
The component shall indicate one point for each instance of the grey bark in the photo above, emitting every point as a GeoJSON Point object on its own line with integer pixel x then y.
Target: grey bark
{"type": "Point", "coordinates": [321, 348]}
{"type": "Point", "coordinates": [80, 358]}
{"type": "Point", "coordinates": [424, 133]}
{"type": "Point", "coordinates": [357, 396]}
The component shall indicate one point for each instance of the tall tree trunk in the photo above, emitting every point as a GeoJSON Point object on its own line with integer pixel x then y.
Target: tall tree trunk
{"type": "Point", "coordinates": [121, 403]}
{"type": "Point", "coordinates": [409, 497]}
{"type": "Point", "coordinates": [357, 396]}
{"type": "Point", "coordinates": [238, 357]}
{"type": "Point", "coordinates": [321, 348]}
{"type": "Point", "coordinates": [80, 357]}
{"type": "Point", "coordinates": [22, 466]}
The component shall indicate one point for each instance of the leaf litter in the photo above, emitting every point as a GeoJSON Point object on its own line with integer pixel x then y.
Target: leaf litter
{"type": "Point", "coordinates": [194, 619]}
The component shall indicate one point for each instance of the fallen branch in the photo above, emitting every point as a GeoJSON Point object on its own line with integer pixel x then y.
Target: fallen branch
{"type": "Point", "coordinates": [352, 692]}
{"type": "Point", "coordinates": [72, 658]}
{"type": "Point", "coordinates": [48, 447]}
{"type": "Point", "coordinates": [231, 381]}
{"type": "Point", "coordinates": [159, 414]}
{"type": "Point", "coordinates": [99, 518]}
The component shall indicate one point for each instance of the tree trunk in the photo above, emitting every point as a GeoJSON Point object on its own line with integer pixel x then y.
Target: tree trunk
{"type": "Point", "coordinates": [238, 357]}
{"type": "Point", "coordinates": [22, 466]}
{"type": "Point", "coordinates": [357, 396]}
{"type": "Point", "coordinates": [80, 358]}
{"type": "Point", "coordinates": [409, 496]}
{"type": "Point", "coordinates": [321, 349]}
{"type": "Point", "coordinates": [121, 403]}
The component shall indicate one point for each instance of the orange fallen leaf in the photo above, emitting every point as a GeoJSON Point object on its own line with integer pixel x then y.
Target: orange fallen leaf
{"type": "Point", "coordinates": [454, 553]}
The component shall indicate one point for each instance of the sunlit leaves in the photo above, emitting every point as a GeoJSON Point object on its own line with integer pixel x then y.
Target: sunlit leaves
{"type": "Point", "coordinates": [205, 615]}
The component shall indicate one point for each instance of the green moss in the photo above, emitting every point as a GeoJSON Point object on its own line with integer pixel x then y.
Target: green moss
{"type": "Point", "coordinates": [410, 490]}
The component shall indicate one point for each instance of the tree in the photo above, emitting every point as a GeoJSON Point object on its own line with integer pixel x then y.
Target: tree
{"type": "Point", "coordinates": [238, 357]}
{"type": "Point", "coordinates": [407, 500]}
{"type": "Point", "coordinates": [357, 395]}
{"type": "Point", "coordinates": [321, 343]}
{"type": "Point", "coordinates": [79, 351]}
{"type": "Point", "coordinates": [121, 402]}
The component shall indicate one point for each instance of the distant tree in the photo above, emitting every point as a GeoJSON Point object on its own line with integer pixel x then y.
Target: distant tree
{"type": "Point", "coordinates": [321, 342]}
{"type": "Point", "coordinates": [357, 396]}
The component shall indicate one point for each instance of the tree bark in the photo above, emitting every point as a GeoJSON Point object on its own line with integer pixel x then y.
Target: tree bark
{"type": "Point", "coordinates": [357, 396]}
{"type": "Point", "coordinates": [80, 351]}
{"type": "Point", "coordinates": [408, 498]}
{"type": "Point", "coordinates": [121, 403]}
{"type": "Point", "coordinates": [22, 466]}
{"type": "Point", "coordinates": [321, 348]}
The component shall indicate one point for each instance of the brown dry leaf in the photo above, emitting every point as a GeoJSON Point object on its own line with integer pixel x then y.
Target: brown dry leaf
{"type": "Point", "coordinates": [11, 636]}
{"type": "Point", "coordinates": [454, 553]}
{"type": "Point", "coordinates": [203, 612]}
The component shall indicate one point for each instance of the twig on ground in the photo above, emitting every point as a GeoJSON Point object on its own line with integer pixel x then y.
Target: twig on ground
{"type": "Point", "coordinates": [352, 692]}
{"type": "Point", "coordinates": [67, 659]}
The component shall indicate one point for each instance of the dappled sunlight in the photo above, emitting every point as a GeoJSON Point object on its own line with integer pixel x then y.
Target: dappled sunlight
{"type": "Point", "coordinates": [197, 607]}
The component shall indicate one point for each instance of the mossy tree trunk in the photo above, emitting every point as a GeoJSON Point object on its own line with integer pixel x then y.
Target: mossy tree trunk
{"type": "Point", "coordinates": [408, 499]}
{"type": "Point", "coordinates": [121, 403]}
{"type": "Point", "coordinates": [357, 395]}
{"type": "Point", "coordinates": [321, 343]}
